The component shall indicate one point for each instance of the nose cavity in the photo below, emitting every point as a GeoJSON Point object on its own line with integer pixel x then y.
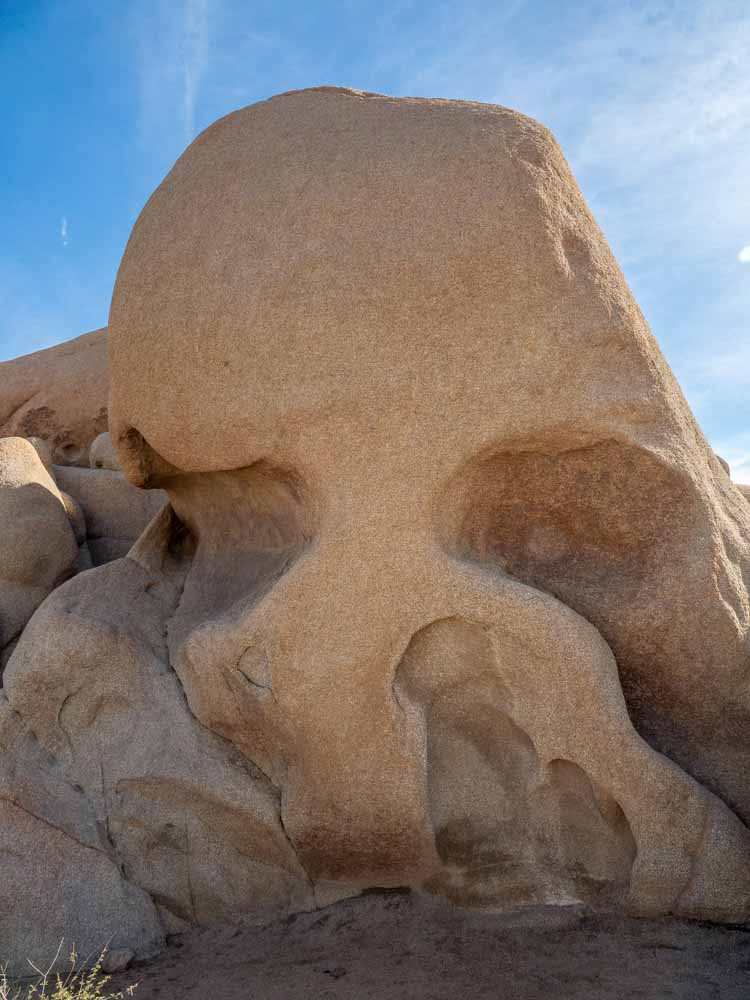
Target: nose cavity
{"type": "Point", "coordinates": [508, 825]}
{"type": "Point", "coordinates": [234, 536]}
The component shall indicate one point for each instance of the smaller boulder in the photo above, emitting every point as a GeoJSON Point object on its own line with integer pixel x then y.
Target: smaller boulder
{"type": "Point", "coordinates": [43, 450]}
{"type": "Point", "coordinates": [724, 464]}
{"type": "Point", "coordinates": [76, 516]}
{"type": "Point", "coordinates": [60, 395]}
{"type": "Point", "coordinates": [117, 960]}
{"type": "Point", "coordinates": [38, 547]}
{"type": "Point", "coordinates": [102, 454]}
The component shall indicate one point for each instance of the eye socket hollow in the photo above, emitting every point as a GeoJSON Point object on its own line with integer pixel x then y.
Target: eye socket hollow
{"type": "Point", "coordinates": [565, 521]}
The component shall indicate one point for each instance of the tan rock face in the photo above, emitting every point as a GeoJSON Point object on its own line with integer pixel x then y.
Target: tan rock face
{"type": "Point", "coordinates": [59, 395]}
{"type": "Point", "coordinates": [436, 502]}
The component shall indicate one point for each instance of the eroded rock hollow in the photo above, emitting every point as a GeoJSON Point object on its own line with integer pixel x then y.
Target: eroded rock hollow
{"type": "Point", "coordinates": [450, 591]}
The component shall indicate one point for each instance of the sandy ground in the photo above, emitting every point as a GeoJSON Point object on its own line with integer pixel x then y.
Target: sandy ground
{"type": "Point", "coordinates": [396, 945]}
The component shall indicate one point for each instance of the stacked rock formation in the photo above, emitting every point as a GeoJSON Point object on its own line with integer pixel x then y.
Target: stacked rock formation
{"type": "Point", "coordinates": [57, 521]}
{"type": "Point", "coordinates": [39, 547]}
{"type": "Point", "coordinates": [450, 591]}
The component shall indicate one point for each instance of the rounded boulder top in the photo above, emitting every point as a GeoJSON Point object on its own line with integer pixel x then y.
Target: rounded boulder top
{"type": "Point", "coordinates": [329, 257]}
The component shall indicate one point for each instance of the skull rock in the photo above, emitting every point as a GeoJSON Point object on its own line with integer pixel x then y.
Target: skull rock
{"type": "Point", "coordinates": [450, 582]}
{"type": "Point", "coordinates": [405, 308]}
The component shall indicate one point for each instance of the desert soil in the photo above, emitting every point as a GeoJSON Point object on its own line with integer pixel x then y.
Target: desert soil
{"type": "Point", "coordinates": [398, 945]}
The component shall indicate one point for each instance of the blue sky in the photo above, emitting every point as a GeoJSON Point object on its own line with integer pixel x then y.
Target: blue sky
{"type": "Point", "coordinates": [649, 100]}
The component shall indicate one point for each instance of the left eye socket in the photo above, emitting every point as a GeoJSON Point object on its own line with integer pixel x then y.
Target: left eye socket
{"type": "Point", "coordinates": [604, 528]}
{"type": "Point", "coordinates": [573, 515]}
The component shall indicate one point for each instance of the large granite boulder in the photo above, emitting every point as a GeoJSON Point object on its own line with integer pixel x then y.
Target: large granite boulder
{"type": "Point", "coordinates": [59, 395]}
{"type": "Point", "coordinates": [450, 593]}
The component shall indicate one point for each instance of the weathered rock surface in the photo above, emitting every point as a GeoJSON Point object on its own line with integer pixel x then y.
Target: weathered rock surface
{"type": "Point", "coordinates": [175, 814]}
{"type": "Point", "coordinates": [38, 548]}
{"type": "Point", "coordinates": [59, 395]}
{"type": "Point", "coordinates": [117, 961]}
{"type": "Point", "coordinates": [451, 591]}
{"type": "Point", "coordinates": [60, 877]}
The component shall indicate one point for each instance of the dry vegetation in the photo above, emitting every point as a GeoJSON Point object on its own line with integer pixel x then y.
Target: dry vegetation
{"type": "Point", "coordinates": [81, 981]}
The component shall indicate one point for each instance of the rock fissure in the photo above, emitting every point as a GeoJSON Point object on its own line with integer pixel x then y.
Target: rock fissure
{"type": "Point", "coordinates": [53, 826]}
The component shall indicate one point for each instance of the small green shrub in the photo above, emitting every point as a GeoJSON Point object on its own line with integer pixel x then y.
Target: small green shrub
{"type": "Point", "coordinates": [85, 983]}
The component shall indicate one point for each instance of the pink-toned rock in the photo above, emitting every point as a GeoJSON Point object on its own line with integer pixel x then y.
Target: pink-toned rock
{"type": "Point", "coordinates": [59, 395]}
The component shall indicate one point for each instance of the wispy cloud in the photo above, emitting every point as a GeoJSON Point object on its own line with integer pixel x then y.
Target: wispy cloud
{"type": "Point", "coordinates": [650, 101]}
{"type": "Point", "coordinates": [194, 45]}
{"type": "Point", "coordinates": [669, 143]}
{"type": "Point", "coordinates": [64, 231]}
{"type": "Point", "coordinates": [173, 45]}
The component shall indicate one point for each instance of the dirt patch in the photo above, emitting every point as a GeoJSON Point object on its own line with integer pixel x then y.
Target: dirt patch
{"type": "Point", "coordinates": [391, 946]}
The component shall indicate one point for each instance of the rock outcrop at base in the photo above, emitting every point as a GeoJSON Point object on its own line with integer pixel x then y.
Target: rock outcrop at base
{"type": "Point", "coordinates": [450, 591]}
{"type": "Point", "coordinates": [59, 395]}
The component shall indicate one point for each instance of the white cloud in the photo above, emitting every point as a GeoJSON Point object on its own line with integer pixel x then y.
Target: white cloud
{"type": "Point", "coordinates": [64, 231]}
{"type": "Point", "coordinates": [744, 255]}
